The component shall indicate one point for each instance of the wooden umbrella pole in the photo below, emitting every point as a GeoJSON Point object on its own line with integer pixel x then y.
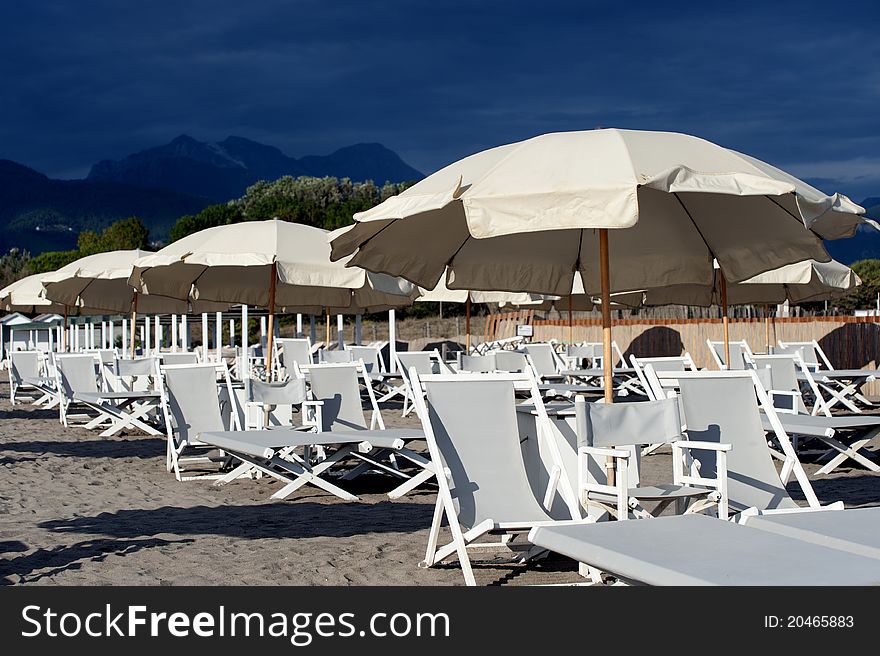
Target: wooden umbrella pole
{"type": "Point", "coordinates": [467, 325]}
{"type": "Point", "coordinates": [134, 311]}
{"type": "Point", "coordinates": [270, 337]}
{"type": "Point", "coordinates": [767, 326]}
{"type": "Point", "coordinates": [606, 333]}
{"type": "Point", "coordinates": [724, 320]}
{"type": "Point", "coordinates": [327, 328]}
{"type": "Point", "coordinates": [570, 328]}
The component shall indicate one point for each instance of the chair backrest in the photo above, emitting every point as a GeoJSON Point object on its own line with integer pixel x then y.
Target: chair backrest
{"type": "Point", "coordinates": [783, 370]}
{"type": "Point", "coordinates": [139, 373]}
{"type": "Point", "coordinates": [595, 351]}
{"type": "Point", "coordinates": [294, 350]}
{"type": "Point", "coordinates": [739, 351]}
{"type": "Point", "coordinates": [471, 429]}
{"type": "Point", "coordinates": [290, 392]}
{"type": "Point", "coordinates": [370, 356]}
{"type": "Point", "coordinates": [336, 386]}
{"type": "Point", "coordinates": [625, 426]}
{"type": "Point", "coordinates": [543, 357]}
{"type": "Point", "coordinates": [478, 363]}
{"type": "Point", "coordinates": [424, 362]}
{"type": "Point", "coordinates": [811, 353]}
{"type": "Point", "coordinates": [191, 399]}
{"type": "Point", "coordinates": [24, 364]}
{"type": "Point", "coordinates": [724, 409]}
{"type": "Point", "coordinates": [335, 357]}
{"type": "Point", "coordinates": [182, 357]}
{"type": "Point", "coordinates": [510, 361]}
{"type": "Point", "coordinates": [76, 373]}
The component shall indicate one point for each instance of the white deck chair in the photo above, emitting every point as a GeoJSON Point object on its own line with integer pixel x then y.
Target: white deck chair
{"type": "Point", "coordinates": [27, 377]}
{"type": "Point", "coordinates": [739, 352]}
{"type": "Point", "coordinates": [294, 350]}
{"type": "Point", "coordinates": [337, 388]}
{"type": "Point", "coordinates": [726, 406]}
{"type": "Point", "coordinates": [263, 399]}
{"type": "Point", "coordinates": [844, 436]}
{"type": "Point", "coordinates": [181, 357]}
{"type": "Point", "coordinates": [593, 353]}
{"type": "Point", "coordinates": [424, 362]}
{"type": "Point", "coordinates": [191, 405]}
{"type": "Point", "coordinates": [694, 550]}
{"type": "Point", "coordinates": [839, 391]}
{"type": "Point", "coordinates": [546, 361]}
{"type": "Point", "coordinates": [470, 425]}
{"type": "Point", "coordinates": [606, 429]}
{"type": "Point", "coordinates": [480, 364]}
{"type": "Point", "coordinates": [340, 356]}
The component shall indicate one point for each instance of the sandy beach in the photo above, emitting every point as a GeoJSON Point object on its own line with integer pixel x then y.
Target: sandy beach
{"type": "Point", "coordinates": [79, 509]}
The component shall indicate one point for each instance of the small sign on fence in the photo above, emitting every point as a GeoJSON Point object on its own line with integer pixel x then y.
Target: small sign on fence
{"type": "Point", "coordinates": [523, 330]}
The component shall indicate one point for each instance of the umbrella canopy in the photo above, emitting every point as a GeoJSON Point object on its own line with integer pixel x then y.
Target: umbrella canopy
{"type": "Point", "coordinates": [525, 216]}
{"type": "Point", "coordinates": [27, 295]}
{"type": "Point", "coordinates": [234, 264]}
{"type": "Point", "coordinates": [100, 281]}
{"type": "Point", "coordinates": [441, 293]}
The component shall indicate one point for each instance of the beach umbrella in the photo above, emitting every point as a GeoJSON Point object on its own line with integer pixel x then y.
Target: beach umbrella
{"type": "Point", "coordinates": [99, 284]}
{"type": "Point", "coordinates": [526, 216]}
{"type": "Point", "coordinates": [277, 265]}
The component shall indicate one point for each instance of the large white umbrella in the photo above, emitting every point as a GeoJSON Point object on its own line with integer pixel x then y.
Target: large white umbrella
{"type": "Point", "coordinates": [526, 216]}
{"type": "Point", "coordinates": [273, 264]}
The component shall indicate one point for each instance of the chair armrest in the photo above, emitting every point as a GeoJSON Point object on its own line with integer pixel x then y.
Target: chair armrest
{"type": "Point", "coordinates": [692, 444]}
{"type": "Point", "coordinates": [603, 451]}
{"type": "Point", "coordinates": [313, 403]}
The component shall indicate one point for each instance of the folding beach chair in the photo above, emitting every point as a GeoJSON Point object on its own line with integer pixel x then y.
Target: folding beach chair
{"type": "Point", "coordinates": [264, 399]}
{"type": "Point", "coordinates": [340, 356]}
{"type": "Point", "coordinates": [424, 362]}
{"type": "Point", "coordinates": [546, 361]}
{"type": "Point", "coordinates": [337, 387]}
{"type": "Point", "coordinates": [739, 352]}
{"type": "Point", "coordinates": [838, 386]}
{"type": "Point", "coordinates": [482, 364]}
{"type": "Point", "coordinates": [294, 352]}
{"type": "Point", "coordinates": [27, 377]}
{"type": "Point", "coordinates": [726, 407]}
{"type": "Point", "coordinates": [674, 363]}
{"type": "Point", "coordinates": [470, 425]}
{"type": "Point", "coordinates": [698, 550]}
{"type": "Point", "coordinates": [591, 354]}
{"type": "Point", "coordinates": [192, 405]}
{"type": "Point", "coordinates": [606, 429]}
{"type": "Point", "coordinates": [512, 362]}
{"type": "Point", "coordinates": [786, 389]}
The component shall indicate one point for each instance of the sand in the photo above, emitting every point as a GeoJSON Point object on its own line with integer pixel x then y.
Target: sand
{"type": "Point", "coordinates": [79, 509]}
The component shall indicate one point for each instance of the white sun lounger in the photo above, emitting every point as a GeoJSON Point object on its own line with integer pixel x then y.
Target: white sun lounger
{"type": "Point", "coordinates": [686, 550]}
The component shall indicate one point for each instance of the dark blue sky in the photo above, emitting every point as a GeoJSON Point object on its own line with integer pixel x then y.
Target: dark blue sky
{"type": "Point", "coordinates": [796, 84]}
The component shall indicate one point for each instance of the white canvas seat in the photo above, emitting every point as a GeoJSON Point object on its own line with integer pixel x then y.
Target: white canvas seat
{"type": "Point", "coordinates": [739, 353]}
{"type": "Point", "coordinates": [337, 387]}
{"type": "Point", "coordinates": [695, 550]}
{"type": "Point", "coordinates": [606, 429]}
{"type": "Point", "coordinates": [470, 425]}
{"type": "Point", "coordinates": [27, 377]}
{"type": "Point", "coordinates": [546, 363]}
{"type": "Point", "coordinates": [192, 405]}
{"type": "Point", "coordinates": [181, 357]}
{"type": "Point", "coordinates": [726, 407]}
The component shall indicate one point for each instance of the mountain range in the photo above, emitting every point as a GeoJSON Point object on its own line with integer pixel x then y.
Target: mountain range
{"type": "Point", "coordinates": [223, 170]}
{"type": "Point", "coordinates": [38, 213]}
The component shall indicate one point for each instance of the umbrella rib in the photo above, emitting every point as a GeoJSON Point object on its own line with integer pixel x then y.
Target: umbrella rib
{"type": "Point", "coordinates": [787, 211]}
{"type": "Point", "coordinates": [696, 227]}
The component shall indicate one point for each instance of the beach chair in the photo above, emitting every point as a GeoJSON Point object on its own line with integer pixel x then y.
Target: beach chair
{"type": "Point", "coordinates": [264, 402]}
{"type": "Point", "coordinates": [512, 362]}
{"type": "Point", "coordinates": [424, 362]}
{"type": "Point", "coordinates": [470, 425]}
{"type": "Point", "coordinates": [337, 387]}
{"type": "Point", "coordinates": [26, 377]}
{"type": "Point", "coordinates": [591, 354]}
{"type": "Point", "coordinates": [545, 361]}
{"type": "Point", "coordinates": [673, 363]}
{"type": "Point", "coordinates": [605, 430]}
{"type": "Point", "coordinates": [483, 364]}
{"type": "Point", "coordinates": [739, 352]}
{"type": "Point", "coordinates": [844, 437]}
{"type": "Point", "coordinates": [726, 407]}
{"type": "Point", "coordinates": [696, 550]}
{"type": "Point", "coordinates": [838, 386]}
{"type": "Point", "coordinates": [293, 353]}
{"type": "Point", "coordinates": [192, 405]}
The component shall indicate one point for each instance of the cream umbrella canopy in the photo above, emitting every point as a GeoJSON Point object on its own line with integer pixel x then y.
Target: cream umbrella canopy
{"type": "Point", "coordinates": [273, 264]}
{"type": "Point", "coordinates": [99, 284]}
{"type": "Point", "coordinates": [525, 216]}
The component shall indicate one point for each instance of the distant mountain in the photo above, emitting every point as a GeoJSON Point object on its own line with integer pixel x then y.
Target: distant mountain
{"type": "Point", "coordinates": [223, 170]}
{"type": "Point", "coordinates": [38, 213]}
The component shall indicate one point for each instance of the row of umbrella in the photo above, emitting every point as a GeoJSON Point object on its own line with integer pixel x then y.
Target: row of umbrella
{"type": "Point", "coordinates": [683, 220]}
